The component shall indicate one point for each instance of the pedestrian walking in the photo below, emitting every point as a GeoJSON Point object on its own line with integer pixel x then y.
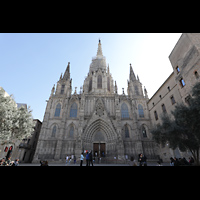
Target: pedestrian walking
{"type": "Point", "coordinates": [74, 159]}
{"type": "Point", "coordinates": [67, 157]}
{"type": "Point", "coordinates": [142, 159]}
{"type": "Point", "coordinates": [87, 159]}
{"type": "Point", "coordinates": [82, 157]}
{"type": "Point", "coordinates": [90, 158]}
{"type": "Point", "coordinates": [16, 163]}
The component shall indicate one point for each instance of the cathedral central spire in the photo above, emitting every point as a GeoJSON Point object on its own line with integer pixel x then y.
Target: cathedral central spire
{"type": "Point", "coordinates": [99, 51]}
{"type": "Point", "coordinates": [99, 61]}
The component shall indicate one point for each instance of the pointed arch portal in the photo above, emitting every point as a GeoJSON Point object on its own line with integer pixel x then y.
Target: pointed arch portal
{"type": "Point", "coordinates": [99, 125]}
{"type": "Point", "coordinates": [100, 135]}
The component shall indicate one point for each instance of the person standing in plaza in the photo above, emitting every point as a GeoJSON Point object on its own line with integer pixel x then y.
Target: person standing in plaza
{"type": "Point", "coordinates": [16, 163]}
{"type": "Point", "coordinates": [67, 157]}
{"type": "Point", "coordinates": [82, 157]}
{"type": "Point", "coordinates": [140, 160]}
{"type": "Point", "coordinates": [90, 158]}
{"type": "Point", "coordinates": [87, 159]}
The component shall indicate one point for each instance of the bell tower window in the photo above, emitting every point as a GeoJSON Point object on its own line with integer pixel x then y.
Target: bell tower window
{"type": "Point", "coordinates": [108, 83]}
{"type": "Point", "coordinates": [99, 82]}
{"type": "Point", "coordinates": [62, 89]}
{"type": "Point", "coordinates": [90, 85]}
{"type": "Point", "coordinates": [57, 112]}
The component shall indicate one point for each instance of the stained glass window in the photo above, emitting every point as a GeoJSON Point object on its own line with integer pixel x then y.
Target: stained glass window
{"type": "Point", "coordinates": [140, 111]}
{"type": "Point", "coordinates": [73, 110]}
{"type": "Point", "coordinates": [124, 111]}
{"type": "Point", "coordinates": [57, 112]}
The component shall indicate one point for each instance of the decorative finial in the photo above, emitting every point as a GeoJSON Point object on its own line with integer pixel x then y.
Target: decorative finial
{"type": "Point", "coordinates": [123, 90]}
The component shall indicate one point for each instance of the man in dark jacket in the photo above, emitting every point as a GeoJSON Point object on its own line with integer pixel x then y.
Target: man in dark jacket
{"type": "Point", "coordinates": [90, 158]}
{"type": "Point", "coordinates": [87, 159]}
{"type": "Point", "coordinates": [142, 160]}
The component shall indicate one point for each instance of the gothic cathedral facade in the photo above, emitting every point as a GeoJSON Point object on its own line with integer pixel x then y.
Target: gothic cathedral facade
{"type": "Point", "coordinates": [112, 125]}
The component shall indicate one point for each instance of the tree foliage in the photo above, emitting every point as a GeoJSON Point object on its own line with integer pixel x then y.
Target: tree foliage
{"type": "Point", "coordinates": [184, 130]}
{"type": "Point", "coordinates": [14, 123]}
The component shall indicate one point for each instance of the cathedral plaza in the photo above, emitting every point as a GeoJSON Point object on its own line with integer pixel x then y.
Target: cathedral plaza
{"type": "Point", "coordinates": [115, 126]}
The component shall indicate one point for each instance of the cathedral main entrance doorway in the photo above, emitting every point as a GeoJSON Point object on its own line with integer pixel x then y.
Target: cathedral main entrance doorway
{"type": "Point", "coordinates": [99, 149]}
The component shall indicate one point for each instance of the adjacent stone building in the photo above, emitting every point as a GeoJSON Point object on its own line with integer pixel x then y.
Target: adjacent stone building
{"type": "Point", "coordinates": [185, 61]}
{"type": "Point", "coordinates": [97, 119]}
{"type": "Point", "coordinates": [27, 147]}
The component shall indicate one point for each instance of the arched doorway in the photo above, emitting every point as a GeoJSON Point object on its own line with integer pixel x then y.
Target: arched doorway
{"type": "Point", "coordinates": [99, 144]}
{"type": "Point", "coordinates": [100, 137]}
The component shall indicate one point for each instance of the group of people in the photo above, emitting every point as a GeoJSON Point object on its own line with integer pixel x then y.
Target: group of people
{"type": "Point", "coordinates": [8, 162]}
{"type": "Point", "coordinates": [181, 161]}
{"type": "Point", "coordinates": [69, 158]}
{"type": "Point", "coordinates": [44, 163]}
{"type": "Point", "coordinates": [88, 158]}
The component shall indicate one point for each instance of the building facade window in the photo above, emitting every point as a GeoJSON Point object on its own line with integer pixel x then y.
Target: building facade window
{"type": "Point", "coordinates": [196, 74]}
{"type": "Point", "coordinates": [57, 112]}
{"type": "Point", "coordinates": [126, 132]}
{"type": "Point", "coordinates": [172, 100]}
{"type": "Point", "coordinates": [108, 83]}
{"type": "Point", "coordinates": [53, 134]}
{"type": "Point", "coordinates": [144, 132]}
{"type": "Point", "coordinates": [177, 69]}
{"type": "Point", "coordinates": [90, 85]}
{"type": "Point", "coordinates": [164, 108]}
{"type": "Point", "coordinates": [136, 90]}
{"type": "Point", "coordinates": [182, 82]}
{"type": "Point", "coordinates": [62, 89]}
{"type": "Point", "coordinates": [71, 132]}
{"type": "Point", "coordinates": [124, 111]}
{"type": "Point", "coordinates": [73, 110]}
{"type": "Point", "coordinates": [99, 82]}
{"type": "Point", "coordinates": [140, 111]}
{"type": "Point", "coordinates": [155, 115]}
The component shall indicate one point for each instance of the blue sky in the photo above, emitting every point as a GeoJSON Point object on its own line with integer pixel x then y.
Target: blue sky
{"type": "Point", "coordinates": [31, 63]}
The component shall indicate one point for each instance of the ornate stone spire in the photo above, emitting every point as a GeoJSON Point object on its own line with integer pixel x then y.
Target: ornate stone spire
{"type": "Point", "coordinates": [99, 50]}
{"type": "Point", "coordinates": [145, 92]}
{"type": "Point", "coordinates": [132, 75]}
{"type": "Point", "coordinates": [67, 72]}
{"type": "Point", "coordinates": [99, 61]}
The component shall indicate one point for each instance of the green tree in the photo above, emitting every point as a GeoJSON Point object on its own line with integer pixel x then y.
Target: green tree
{"type": "Point", "coordinates": [184, 130]}
{"type": "Point", "coordinates": [14, 123]}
